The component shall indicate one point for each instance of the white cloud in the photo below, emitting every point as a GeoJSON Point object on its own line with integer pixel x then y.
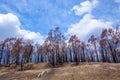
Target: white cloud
{"type": "Point", "coordinates": [84, 7]}
{"type": "Point", "coordinates": [117, 1]}
{"type": "Point", "coordinates": [88, 26]}
{"type": "Point", "coordinates": [10, 27]}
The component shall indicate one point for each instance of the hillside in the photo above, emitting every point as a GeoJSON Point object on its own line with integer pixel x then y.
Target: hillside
{"type": "Point", "coordinates": [83, 71]}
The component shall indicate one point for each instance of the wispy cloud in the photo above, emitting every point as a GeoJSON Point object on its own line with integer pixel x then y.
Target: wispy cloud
{"type": "Point", "coordinates": [118, 8]}
{"type": "Point", "coordinates": [84, 7]}
{"type": "Point", "coordinates": [117, 1]}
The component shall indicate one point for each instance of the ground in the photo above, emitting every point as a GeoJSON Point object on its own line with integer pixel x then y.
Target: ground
{"type": "Point", "coordinates": [69, 71]}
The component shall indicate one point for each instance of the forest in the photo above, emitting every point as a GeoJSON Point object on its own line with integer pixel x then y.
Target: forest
{"type": "Point", "coordinates": [56, 50]}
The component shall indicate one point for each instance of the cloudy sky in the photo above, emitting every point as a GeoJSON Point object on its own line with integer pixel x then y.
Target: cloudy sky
{"type": "Point", "coordinates": [32, 19]}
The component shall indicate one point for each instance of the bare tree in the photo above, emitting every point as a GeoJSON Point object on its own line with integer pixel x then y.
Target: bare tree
{"type": "Point", "coordinates": [93, 40]}
{"type": "Point", "coordinates": [75, 43]}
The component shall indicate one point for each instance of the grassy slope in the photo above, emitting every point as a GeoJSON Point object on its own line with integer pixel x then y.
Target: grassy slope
{"type": "Point", "coordinates": [84, 71]}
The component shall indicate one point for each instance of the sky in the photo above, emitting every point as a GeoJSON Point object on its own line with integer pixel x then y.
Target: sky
{"type": "Point", "coordinates": [32, 19]}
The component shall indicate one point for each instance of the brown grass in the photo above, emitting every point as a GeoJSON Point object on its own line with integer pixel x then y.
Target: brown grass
{"type": "Point", "coordinates": [83, 71]}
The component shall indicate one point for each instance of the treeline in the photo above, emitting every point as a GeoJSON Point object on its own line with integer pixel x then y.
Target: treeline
{"type": "Point", "coordinates": [56, 50]}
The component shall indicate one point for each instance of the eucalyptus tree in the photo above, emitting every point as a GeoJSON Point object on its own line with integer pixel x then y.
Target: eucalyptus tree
{"type": "Point", "coordinates": [74, 48]}
{"type": "Point", "coordinates": [8, 49]}
{"type": "Point", "coordinates": [110, 40]}
{"type": "Point", "coordinates": [54, 46]}
{"type": "Point", "coordinates": [16, 51]}
{"type": "Point", "coordinates": [83, 49]}
{"type": "Point", "coordinates": [48, 48]}
{"type": "Point", "coordinates": [27, 50]}
{"type": "Point", "coordinates": [93, 40]}
{"type": "Point", "coordinates": [2, 45]}
{"type": "Point", "coordinates": [39, 52]}
{"type": "Point", "coordinates": [5, 50]}
{"type": "Point", "coordinates": [59, 41]}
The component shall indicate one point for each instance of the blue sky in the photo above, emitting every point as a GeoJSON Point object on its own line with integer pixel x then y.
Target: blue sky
{"type": "Point", "coordinates": [80, 17]}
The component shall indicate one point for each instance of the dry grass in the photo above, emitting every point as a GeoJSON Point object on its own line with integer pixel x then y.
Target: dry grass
{"type": "Point", "coordinates": [84, 71]}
